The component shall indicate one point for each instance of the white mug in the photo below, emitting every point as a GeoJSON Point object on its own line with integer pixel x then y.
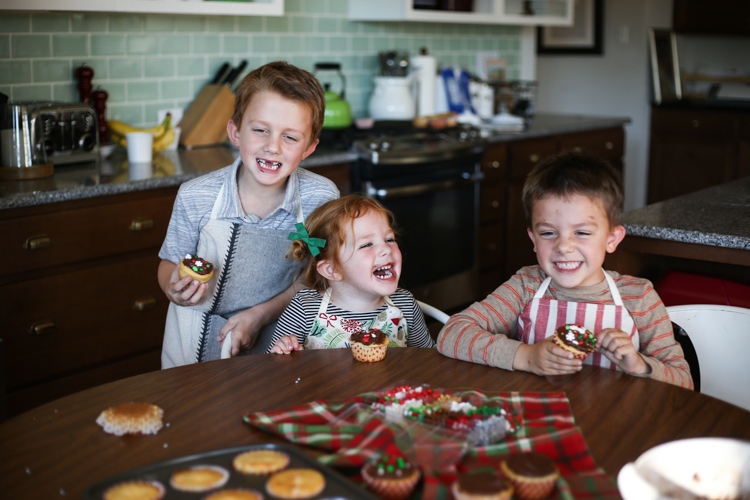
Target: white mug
{"type": "Point", "coordinates": [140, 146]}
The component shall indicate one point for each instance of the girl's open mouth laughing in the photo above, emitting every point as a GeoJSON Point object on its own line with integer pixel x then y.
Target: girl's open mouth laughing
{"type": "Point", "coordinates": [384, 272]}
{"type": "Point", "coordinates": [268, 165]}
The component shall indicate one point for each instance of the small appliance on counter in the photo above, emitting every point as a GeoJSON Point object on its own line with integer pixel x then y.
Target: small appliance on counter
{"type": "Point", "coordinates": [21, 137]}
{"type": "Point", "coordinates": [70, 132]}
{"type": "Point", "coordinates": [337, 114]}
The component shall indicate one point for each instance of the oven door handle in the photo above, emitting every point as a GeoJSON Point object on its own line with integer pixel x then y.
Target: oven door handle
{"type": "Point", "coordinates": [418, 189]}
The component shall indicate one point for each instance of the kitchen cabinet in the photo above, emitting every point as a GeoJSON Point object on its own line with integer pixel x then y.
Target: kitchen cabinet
{"type": "Point", "coordinates": [692, 149]}
{"type": "Point", "coordinates": [80, 304]}
{"type": "Point", "coordinates": [549, 13]}
{"type": "Point", "coordinates": [195, 7]}
{"type": "Point", "coordinates": [719, 17]}
{"type": "Point", "coordinates": [504, 245]}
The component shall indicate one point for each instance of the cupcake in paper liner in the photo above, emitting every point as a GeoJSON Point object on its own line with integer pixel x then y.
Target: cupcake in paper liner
{"type": "Point", "coordinates": [481, 486]}
{"type": "Point", "coordinates": [369, 345]}
{"type": "Point", "coordinates": [576, 340]}
{"type": "Point", "coordinates": [391, 477]}
{"type": "Point", "coordinates": [147, 490]}
{"type": "Point", "coordinates": [533, 475]}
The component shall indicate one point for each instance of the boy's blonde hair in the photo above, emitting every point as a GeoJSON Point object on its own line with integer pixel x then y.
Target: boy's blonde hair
{"type": "Point", "coordinates": [328, 222]}
{"type": "Point", "coordinates": [569, 173]}
{"type": "Point", "coordinates": [290, 82]}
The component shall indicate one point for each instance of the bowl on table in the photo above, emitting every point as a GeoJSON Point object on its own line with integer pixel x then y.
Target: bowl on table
{"type": "Point", "coordinates": [705, 468]}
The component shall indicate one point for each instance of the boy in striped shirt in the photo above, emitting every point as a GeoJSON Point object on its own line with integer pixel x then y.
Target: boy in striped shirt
{"type": "Point", "coordinates": [573, 204]}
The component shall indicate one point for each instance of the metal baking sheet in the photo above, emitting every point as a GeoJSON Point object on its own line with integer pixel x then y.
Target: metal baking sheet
{"type": "Point", "coordinates": [337, 486]}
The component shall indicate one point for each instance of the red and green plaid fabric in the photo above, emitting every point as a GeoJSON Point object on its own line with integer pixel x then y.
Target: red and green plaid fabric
{"type": "Point", "coordinates": [547, 426]}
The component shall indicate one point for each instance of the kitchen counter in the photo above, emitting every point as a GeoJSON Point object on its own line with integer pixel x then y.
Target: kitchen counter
{"type": "Point", "coordinates": [172, 168]}
{"type": "Point", "coordinates": [542, 125]}
{"type": "Point", "coordinates": [705, 232]}
{"type": "Point", "coordinates": [718, 216]}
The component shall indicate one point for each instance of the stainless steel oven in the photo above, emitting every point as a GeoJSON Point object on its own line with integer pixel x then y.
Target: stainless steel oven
{"type": "Point", "coordinates": [430, 181]}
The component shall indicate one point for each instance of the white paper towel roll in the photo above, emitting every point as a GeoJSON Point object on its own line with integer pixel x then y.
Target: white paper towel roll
{"type": "Point", "coordinates": [426, 69]}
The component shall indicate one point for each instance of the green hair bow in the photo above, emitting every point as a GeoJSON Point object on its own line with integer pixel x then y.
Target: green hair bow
{"type": "Point", "coordinates": [312, 243]}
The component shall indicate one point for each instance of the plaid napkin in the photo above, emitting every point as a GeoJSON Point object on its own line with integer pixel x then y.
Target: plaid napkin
{"type": "Point", "coordinates": [546, 426]}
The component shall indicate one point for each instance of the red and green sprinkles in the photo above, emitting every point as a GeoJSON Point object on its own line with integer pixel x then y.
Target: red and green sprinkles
{"type": "Point", "coordinates": [577, 335]}
{"type": "Point", "coordinates": [197, 265]}
{"type": "Point", "coordinates": [393, 465]}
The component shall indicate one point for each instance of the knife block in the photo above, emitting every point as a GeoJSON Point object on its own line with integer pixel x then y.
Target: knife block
{"type": "Point", "coordinates": [205, 121]}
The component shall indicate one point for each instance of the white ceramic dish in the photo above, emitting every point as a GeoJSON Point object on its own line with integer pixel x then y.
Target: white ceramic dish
{"type": "Point", "coordinates": [707, 467]}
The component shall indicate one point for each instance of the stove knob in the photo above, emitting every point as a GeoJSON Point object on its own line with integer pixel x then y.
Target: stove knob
{"type": "Point", "coordinates": [384, 146]}
{"type": "Point", "coordinates": [374, 145]}
{"type": "Point", "coordinates": [463, 135]}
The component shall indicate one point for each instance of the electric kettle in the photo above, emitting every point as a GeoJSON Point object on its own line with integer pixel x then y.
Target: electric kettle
{"type": "Point", "coordinates": [21, 133]}
{"type": "Point", "coordinates": [338, 114]}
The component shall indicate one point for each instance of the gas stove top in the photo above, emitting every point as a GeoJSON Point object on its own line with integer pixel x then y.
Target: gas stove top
{"type": "Point", "coordinates": [420, 146]}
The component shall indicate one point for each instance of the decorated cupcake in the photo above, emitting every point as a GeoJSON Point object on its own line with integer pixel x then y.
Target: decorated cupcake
{"type": "Point", "coordinates": [369, 345]}
{"type": "Point", "coordinates": [197, 268]}
{"type": "Point", "coordinates": [576, 339]}
{"type": "Point", "coordinates": [391, 477]}
{"type": "Point", "coordinates": [533, 475]}
{"type": "Point", "coordinates": [481, 486]}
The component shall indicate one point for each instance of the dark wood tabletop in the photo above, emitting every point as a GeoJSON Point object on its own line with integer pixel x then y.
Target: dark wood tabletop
{"type": "Point", "coordinates": [58, 451]}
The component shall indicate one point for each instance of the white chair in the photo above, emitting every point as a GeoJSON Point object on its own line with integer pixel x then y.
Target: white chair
{"type": "Point", "coordinates": [433, 312]}
{"type": "Point", "coordinates": [721, 337]}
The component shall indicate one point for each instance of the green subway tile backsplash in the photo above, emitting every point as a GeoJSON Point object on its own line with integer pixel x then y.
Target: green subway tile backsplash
{"type": "Point", "coordinates": [148, 62]}
{"type": "Point", "coordinates": [51, 70]}
{"type": "Point", "coordinates": [30, 46]}
{"type": "Point", "coordinates": [70, 45]}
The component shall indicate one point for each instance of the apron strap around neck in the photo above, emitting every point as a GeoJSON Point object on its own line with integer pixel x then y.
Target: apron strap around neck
{"type": "Point", "coordinates": [542, 288]}
{"type": "Point", "coordinates": [610, 282]}
{"type": "Point", "coordinates": [613, 290]}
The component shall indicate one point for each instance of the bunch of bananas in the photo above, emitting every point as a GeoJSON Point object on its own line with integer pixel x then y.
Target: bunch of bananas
{"type": "Point", "coordinates": [163, 133]}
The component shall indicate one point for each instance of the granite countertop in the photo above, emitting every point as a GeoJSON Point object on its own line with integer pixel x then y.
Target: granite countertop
{"type": "Point", "coordinates": [172, 168]}
{"type": "Point", "coordinates": [718, 216]}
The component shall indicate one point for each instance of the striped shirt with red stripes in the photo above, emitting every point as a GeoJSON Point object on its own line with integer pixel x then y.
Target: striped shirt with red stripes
{"type": "Point", "coordinates": [487, 332]}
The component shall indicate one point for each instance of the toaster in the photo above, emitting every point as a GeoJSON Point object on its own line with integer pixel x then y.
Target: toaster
{"type": "Point", "coordinates": [67, 132]}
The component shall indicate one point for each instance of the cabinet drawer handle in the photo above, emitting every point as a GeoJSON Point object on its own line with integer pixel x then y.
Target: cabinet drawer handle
{"type": "Point", "coordinates": [142, 224]}
{"type": "Point", "coordinates": [577, 149]}
{"type": "Point", "coordinates": [37, 242]}
{"type": "Point", "coordinates": [144, 303]}
{"type": "Point", "coordinates": [43, 327]}
{"type": "Point", "coordinates": [609, 145]}
{"type": "Point", "coordinates": [495, 204]}
{"type": "Point", "coordinates": [495, 164]}
{"type": "Point", "coordinates": [534, 158]}
{"type": "Point", "coordinates": [696, 123]}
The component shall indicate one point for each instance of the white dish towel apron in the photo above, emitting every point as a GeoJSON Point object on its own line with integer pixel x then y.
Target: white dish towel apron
{"type": "Point", "coordinates": [330, 331]}
{"type": "Point", "coordinates": [250, 267]}
{"type": "Point", "coordinates": [541, 317]}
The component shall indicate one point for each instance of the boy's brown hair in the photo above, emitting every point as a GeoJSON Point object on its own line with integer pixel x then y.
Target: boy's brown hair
{"type": "Point", "coordinates": [328, 222]}
{"type": "Point", "coordinates": [569, 173]}
{"type": "Point", "coordinates": [290, 82]}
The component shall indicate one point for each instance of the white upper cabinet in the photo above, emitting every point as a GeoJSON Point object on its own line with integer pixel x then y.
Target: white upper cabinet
{"type": "Point", "coordinates": [194, 7]}
{"type": "Point", "coordinates": [519, 12]}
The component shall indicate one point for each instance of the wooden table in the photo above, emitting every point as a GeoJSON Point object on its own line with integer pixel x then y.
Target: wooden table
{"type": "Point", "coordinates": [59, 446]}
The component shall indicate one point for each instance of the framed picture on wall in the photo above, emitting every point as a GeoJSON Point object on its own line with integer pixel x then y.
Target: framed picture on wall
{"type": "Point", "coordinates": [584, 37]}
{"type": "Point", "coordinates": [665, 66]}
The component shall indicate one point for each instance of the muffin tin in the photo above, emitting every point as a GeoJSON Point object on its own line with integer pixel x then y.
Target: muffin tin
{"type": "Point", "coordinates": [337, 487]}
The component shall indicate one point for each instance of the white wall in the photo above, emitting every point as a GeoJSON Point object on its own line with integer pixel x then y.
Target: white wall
{"type": "Point", "coordinates": [616, 83]}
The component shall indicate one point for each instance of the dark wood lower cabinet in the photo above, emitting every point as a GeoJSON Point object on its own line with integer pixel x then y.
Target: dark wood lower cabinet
{"type": "Point", "coordinates": [82, 306]}
{"type": "Point", "coordinates": [692, 149]}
